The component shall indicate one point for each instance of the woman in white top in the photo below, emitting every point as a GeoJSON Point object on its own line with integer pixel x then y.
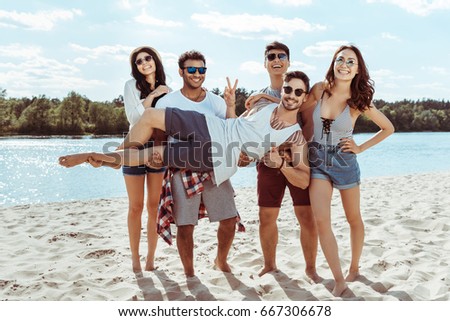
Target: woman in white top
{"type": "Point", "coordinates": [141, 92]}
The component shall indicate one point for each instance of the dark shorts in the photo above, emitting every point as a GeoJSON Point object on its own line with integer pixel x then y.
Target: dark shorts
{"type": "Point", "coordinates": [272, 185]}
{"type": "Point", "coordinates": [194, 150]}
{"type": "Point", "coordinates": [331, 164]}
{"type": "Point", "coordinates": [141, 170]}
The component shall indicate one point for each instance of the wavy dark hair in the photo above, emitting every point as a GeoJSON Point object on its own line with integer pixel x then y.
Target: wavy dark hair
{"type": "Point", "coordinates": [190, 55]}
{"type": "Point", "coordinates": [362, 87]}
{"type": "Point", "coordinates": [141, 84]}
{"type": "Point", "coordinates": [277, 45]}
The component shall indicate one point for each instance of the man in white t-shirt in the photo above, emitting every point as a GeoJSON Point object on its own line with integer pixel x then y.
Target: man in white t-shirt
{"type": "Point", "coordinates": [217, 200]}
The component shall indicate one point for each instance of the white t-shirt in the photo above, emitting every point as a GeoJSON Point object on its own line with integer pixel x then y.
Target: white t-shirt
{"type": "Point", "coordinates": [212, 105]}
{"type": "Point", "coordinates": [252, 133]}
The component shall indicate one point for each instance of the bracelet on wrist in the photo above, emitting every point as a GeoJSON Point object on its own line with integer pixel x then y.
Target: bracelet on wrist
{"type": "Point", "coordinates": [282, 163]}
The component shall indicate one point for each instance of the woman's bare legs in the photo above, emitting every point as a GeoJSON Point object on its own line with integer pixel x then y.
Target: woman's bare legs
{"type": "Point", "coordinates": [154, 183]}
{"type": "Point", "coordinates": [321, 192]}
{"type": "Point", "coordinates": [351, 202]}
{"type": "Point", "coordinates": [141, 132]}
{"type": "Point", "coordinates": [135, 191]}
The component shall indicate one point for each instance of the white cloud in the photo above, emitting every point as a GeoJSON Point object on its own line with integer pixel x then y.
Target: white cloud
{"type": "Point", "coordinates": [252, 67]}
{"type": "Point", "coordinates": [41, 20]}
{"type": "Point", "coordinates": [294, 3]}
{"type": "Point", "coordinates": [389, 36]}
{"type": "Point", "coordinates": [324, 48]}
{"type": "Point", "coordinates": [117, 52]}
{"type": "Point", "coordinates": [146, 19]}
{"type": "Point", "coordinates": [436, 70]}
{"type": "Point", "coordinates": [246, 26]}
{"type": "Point", "coordinates": [17, 50]}
{"type": "Point", "coordinates": [25, 71]}
{"type": "Point", "coordinates": [132, 4]}
{"type": "Point", "coordinates": [297, 65]}
{"type": "Point", "coordinates": [418, 7]}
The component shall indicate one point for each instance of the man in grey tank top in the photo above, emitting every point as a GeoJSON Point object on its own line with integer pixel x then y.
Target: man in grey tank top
{"type": "Point", "coordinates": [272, 182]}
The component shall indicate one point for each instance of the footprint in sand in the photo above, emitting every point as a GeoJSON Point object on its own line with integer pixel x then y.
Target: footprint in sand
{"type": "Point", "coordinates": [98, 254]}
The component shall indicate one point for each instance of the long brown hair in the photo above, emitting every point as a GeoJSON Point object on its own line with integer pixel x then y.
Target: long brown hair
{"type": "Point", "coordinates": [362, 87]}
{"type": "Point", "coordinates": [141, 84]}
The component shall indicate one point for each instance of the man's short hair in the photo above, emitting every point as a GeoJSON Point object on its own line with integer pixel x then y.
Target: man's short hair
{"type": "Point", "coordinates": [190, 55]}
{"type": "Point", "coordinates": [298, 75]}
{"type": "Point", "coordinates": [277, 45]}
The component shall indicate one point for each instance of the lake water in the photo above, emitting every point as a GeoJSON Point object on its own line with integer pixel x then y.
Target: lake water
{"type": "Point", "coordinates": [30, 174]}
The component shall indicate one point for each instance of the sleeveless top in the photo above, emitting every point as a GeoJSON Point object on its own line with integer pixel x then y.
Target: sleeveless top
{"type": "Point", "coordinates": [253, 133]}
{"type": "Point", "coordinates": [330, 131]}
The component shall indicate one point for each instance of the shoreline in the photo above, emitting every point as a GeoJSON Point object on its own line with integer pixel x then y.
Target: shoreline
{"type": "Point", "coordinates": [79, 251]}
{"type": "Point", "coordinates": [363, 182]}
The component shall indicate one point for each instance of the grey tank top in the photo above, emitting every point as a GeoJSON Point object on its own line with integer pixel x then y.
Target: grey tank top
{"type": "Point", "coordinates": [330, 131]}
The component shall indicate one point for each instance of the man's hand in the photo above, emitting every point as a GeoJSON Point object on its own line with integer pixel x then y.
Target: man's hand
{"type": "Point", "coordinates": [273, 159]}
{"type": "Point", "coordinates": [244, 160]}
{"type": "Point", "coordinates": [229, 94]}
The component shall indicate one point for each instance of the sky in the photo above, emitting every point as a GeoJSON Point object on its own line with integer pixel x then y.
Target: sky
{"type": "Point", "coordinates": [54, 47]}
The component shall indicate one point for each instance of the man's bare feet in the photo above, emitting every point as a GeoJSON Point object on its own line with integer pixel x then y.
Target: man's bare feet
{"type": "Point", "coordinates": [313, 276]}
{"type": "Point", "coordinates": [339, 288]}
{"type": "Point", "coordinates": [267, 269]}
{"type": "Point", "coordinates": [352, 276]}
{"type": "Point", "coordinates": [74, 159]}
{"type": "Point", "coordinates": [222, 266]}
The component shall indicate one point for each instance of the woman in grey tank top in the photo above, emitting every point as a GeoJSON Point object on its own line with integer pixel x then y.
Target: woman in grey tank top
{"type": "Point", "coordinates": [335, 104]}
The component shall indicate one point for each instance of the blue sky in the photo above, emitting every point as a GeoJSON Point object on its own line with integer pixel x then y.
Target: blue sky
{"type": "Point", "coordinates": [53, 47]}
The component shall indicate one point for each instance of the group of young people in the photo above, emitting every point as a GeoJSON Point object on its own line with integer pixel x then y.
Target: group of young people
{"type": "Point", "coordinates": [301, 138]}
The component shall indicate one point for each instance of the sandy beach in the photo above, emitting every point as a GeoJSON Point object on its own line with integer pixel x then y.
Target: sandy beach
{"type": "Point", "coordinates": [79, 251]}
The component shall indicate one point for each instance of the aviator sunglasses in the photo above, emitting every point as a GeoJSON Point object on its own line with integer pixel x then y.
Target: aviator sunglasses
{"type": "Point", "coordinates": [193, 70]}
{"type": "Point", "coordinates": [140, 61]}
{"type": "Point", "coordinates": [298, 92]}
{"type": "Point", "coordinates": [272, 56]}
{"type": "Point", "coordinates": [350, 62]}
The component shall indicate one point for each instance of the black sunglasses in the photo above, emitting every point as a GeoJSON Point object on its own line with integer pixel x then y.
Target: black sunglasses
{"type": "Point", "coordinates": [193, 70]}
{"type": "Point", "coordinates": [140, 61]}
{"type": "Point", "coordinates": [272, 56]}
{"type": "Point", "coordinates": [298, 92]}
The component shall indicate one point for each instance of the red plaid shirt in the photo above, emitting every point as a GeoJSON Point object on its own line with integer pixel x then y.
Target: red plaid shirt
{"type": "Point", "coordinates": [193, 183]}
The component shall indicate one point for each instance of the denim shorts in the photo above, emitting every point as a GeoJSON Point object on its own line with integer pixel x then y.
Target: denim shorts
{"type": "Point", "coordinates": [141, 170]}
{"type": "Point", "coordinates": [332, 164]}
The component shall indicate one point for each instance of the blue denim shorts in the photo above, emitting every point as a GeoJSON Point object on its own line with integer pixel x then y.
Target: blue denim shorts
{"type": "Point", "coordinates": [332, 164]}
{"type": "Point", "coordinates": [141, 169]}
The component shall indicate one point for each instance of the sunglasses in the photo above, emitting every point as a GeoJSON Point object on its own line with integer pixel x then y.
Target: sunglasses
{"type": "Point", "coordinates": [298, 92]}
{"type": "Point", "coordinates": [193, 70]}
{"type": "Point", "coordinates": [140, 61]}
{"type": "Point", "coordinates": [350, 63]}
{"type": "Point", "coordinates": [272, 56]}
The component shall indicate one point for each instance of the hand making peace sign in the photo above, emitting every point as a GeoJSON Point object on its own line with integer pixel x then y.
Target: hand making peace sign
{"type": "Point", "coordinates": [229, 94]}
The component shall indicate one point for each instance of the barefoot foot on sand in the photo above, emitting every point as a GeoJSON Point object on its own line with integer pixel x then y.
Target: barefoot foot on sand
{"type": "Point", "coordinates": [313, 276]}
{"type": "Point", "coordinates": [150, 266]}
{"type": "Point", "coordinates": [267, 269]}
{"type": "Point", "coordinates": [352, 276]}
{"type": "Point", "coordinates": [339, 289]}
{"type": "Point", "coordinates": [222, 266]}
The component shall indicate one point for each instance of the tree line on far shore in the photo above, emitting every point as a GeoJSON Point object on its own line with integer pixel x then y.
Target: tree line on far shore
{"type": "Point", "coordinates": [78, 115]}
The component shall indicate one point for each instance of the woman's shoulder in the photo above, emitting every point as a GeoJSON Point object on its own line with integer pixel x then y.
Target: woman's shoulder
{"type": "Point", "coordinates": [318, 88]}
{"type": "Point", "coordinates": [131, 83]}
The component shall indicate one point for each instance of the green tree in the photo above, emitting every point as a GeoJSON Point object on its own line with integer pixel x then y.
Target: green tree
{"type": "Point", "coordinates": [72, 114]}
{"type": "Point", "coordinates": [35, 119]}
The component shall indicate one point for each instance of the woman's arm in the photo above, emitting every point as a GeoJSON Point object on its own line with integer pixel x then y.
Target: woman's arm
{"type": "Point", "coordinates": [386, 129]}
{"type": "Point", "coordinates": [313, 97]}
